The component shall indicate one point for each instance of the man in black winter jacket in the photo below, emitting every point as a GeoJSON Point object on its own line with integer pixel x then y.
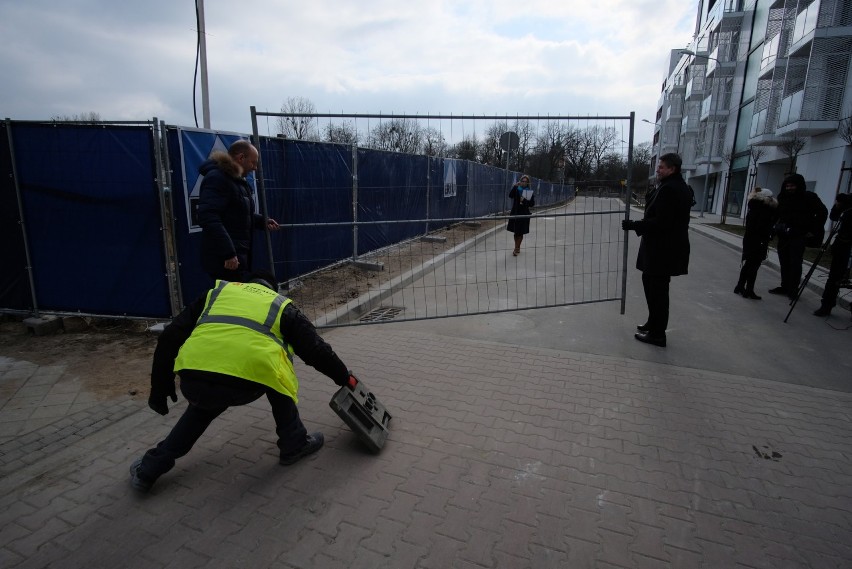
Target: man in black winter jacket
{"type": "Point", "coordinates": [664, 249]}
{"type": "Point", "coordinates": [226, 212]}
{"type": "Point", "coordinates": [801, 217]}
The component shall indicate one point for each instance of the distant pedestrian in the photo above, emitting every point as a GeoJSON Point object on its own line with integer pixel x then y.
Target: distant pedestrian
{"type": "Point", "coordinates": [801, 223]}
{"type": "Point", "coordinates": [838, 272]}
{"type": "Point", "coordinates": [523, 198]}
{"type": "Point", "coordinates": [760, 226]}
{"type": "Point", "coordinates": [226, 212]}
{"type": "Point", "coordinates": [231, 347]}
{"type": "Point", "coordinates": [664, 248]}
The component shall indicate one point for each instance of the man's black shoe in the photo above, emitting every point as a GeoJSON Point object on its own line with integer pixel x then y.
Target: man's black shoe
{"type": "Point", "coordinates": [750, 294]}
{"type": "Point", "coordinates": [642, 327]}
{"type": "Point", "coordinates": [313, 443]}
{"type": "Point", "coordinates": [648, 338]}
{"type": "Point", "coordinates": [823, 311]}
{"type": "Point", "coordinates": [779, 290]}
{"type": "Point", "coordinates": [739, 289]}
{"type": "Point", "coordinates": [137, 480]}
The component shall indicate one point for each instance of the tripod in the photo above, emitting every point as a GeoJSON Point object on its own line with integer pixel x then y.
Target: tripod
{"type": "Point", "coordinates": [816, 261]}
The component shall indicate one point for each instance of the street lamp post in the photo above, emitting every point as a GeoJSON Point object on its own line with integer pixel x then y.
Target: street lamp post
{"type": "Point", "coordinates": [712, 132]}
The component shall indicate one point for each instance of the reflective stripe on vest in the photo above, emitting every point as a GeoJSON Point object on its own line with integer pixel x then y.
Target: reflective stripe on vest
{"type": "Point", "coordinates": [238, 334]}
{"type": "Point", "coordinates": [265, 328]}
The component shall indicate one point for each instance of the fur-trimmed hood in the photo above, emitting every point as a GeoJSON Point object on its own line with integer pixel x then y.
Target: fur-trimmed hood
{"type": "Point", "coordinates": [222, 161]}
{"type": "Point", "coordinates": [763, 195]}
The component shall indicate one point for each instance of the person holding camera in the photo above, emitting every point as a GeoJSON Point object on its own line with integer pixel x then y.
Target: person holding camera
{"type": "Point", "coordinates": [841, 214]}
{"type": "Point", "coordinates": [801, 221]}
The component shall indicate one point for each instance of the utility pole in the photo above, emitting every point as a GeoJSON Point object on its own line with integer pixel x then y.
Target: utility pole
{"type": "Point", "coordinates": [202, 55]}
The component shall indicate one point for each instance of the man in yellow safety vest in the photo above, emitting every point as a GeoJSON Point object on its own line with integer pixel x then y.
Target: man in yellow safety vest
{"type": "Point", "coordinates": [229, 348]}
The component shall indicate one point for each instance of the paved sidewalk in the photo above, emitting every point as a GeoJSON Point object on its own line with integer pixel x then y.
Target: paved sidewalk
{"type": "Point", "coordinates": [512, 445]}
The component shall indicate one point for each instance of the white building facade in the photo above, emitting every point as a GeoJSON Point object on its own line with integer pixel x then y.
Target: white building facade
{"type": "Point", "coordinates": [764, 89]}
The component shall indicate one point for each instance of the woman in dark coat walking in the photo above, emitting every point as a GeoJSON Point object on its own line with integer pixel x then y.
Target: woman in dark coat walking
{"type": "Point", "coordinates": [760, 222]}
{"type": "Point", "coordinates": [522, 200]}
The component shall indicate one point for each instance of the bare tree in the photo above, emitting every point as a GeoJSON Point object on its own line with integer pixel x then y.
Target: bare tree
{"type": "Point", "coordinates": [467, 149]}
{"type": "Point", "coordinates": [526, 141]}
{"type": "Point", "coordinates": [601, 140]}
{"type": "Point", "coordinates": [578, 154]}
{"type": "Point", "coordinates": [791, 147]}
{"type": "Point", "coordinates": [298, 127]}
{"type": "Point", "coordinates": [83, 118]}
{"type": "Point", "coordinates": [434, 143]}
{"type": "Point", "coordinates": [844, 129]}
{"type": "Point", "coordinates": [343, 133]}
{"type": "Point", "coordinates": [549, 154]}
{"type": "Point", "coordinates": [397, 135]}
{"type": "Point", "coordinates": [492, 154]}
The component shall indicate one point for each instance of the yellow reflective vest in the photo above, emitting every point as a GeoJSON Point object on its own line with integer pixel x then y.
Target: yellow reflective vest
{"type": "Point", "coordinates": [239, 334]}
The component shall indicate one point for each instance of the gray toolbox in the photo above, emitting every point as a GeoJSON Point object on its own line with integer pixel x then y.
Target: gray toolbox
{"type": "Point", "coordinates": [360, 409]}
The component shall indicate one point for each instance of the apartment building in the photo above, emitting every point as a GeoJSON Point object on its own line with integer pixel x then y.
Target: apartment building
{"type": "Point", "coordinates": [763, 89]}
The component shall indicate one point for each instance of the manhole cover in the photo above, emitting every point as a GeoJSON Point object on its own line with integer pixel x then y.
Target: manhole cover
{"type": "Point", "coordinates": [381, 314]}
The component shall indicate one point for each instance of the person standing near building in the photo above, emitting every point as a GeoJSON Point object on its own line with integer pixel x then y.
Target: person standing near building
{"type": "Point", "coordinates": [760, 223]}
{"type": "Point", "coordinates": [664, 248]}
{"type": "Point", "coordinates": [230, 347]}
{"type": "Point", "coordinates": [801, 220]}
{"type": "Point", "coordinates": [523, 199]}
{"type": "Point", "coordinates": [226, 212]}
{"type": "Point", "coordinates": [841, 214]}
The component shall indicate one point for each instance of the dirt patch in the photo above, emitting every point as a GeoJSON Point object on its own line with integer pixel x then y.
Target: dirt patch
{"type": "Point", "coordinates": [112, 357]}
{"type": "Point", "coordinates": [326, 290]}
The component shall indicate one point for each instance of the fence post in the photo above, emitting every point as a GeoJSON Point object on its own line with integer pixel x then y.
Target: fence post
{"type": "Point", "coordinates": [22, 222]}
{"type": "Point", "coordinates": [261, 190]}
{"type": "Point", "coordinates": [627, 210]}
{"type": "Point", "coordinates": [167, 229]}
{"type": "Point", "coordinates": [354, 202]}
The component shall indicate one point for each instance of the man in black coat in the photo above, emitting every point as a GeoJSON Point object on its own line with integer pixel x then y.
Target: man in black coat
{"type": "Point", "coordinates": [664, 249]}
{"type": "Point", "coordinates": [226, 212]}
{"type": "Point", "coordinates": [801, 221]}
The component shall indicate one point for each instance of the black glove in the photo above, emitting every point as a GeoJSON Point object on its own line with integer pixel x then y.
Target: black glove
{"type": "Point", "coordinates": [159, 396]}
{"type": "Point", "coordinates": [628, 224]}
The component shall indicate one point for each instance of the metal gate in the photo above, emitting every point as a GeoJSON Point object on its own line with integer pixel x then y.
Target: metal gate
{"type": "Point", "coordinates": [440, 265]}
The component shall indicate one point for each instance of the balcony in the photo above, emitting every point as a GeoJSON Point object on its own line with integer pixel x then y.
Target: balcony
{"type": "Point", "coordinates": [726, 15]}
{"type": "Point", "coordinates": [695, 89]}
{"type": "Point", "coordinates": [805, 26]}
{"type": "Point", "coordinates": [699, 46]}
{"type": "Point", "coordinates": [811, 111]}
{"type": "Point", "coordinates": [762, 132]}
{"type": "Point", "coordinates": [690, 124]}
{"type": "Point", "coordinates": [722, 61]}
{"type": "Point", "coordinates": [676, 84]}
{"type": "Point", "coordinates": [674, 113]}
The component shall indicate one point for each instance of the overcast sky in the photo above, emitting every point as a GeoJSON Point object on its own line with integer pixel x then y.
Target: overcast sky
{"type": "Point", "coordinates": [136, 60]}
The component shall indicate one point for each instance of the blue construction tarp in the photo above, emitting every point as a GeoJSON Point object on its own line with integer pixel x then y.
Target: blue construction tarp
{"type": "Point", "coordinates": [92, 213]}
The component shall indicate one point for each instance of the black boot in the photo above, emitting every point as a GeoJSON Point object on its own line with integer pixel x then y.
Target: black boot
{"type": "Point", "coordinates": [739, 289]}
{"type": "Point", "coordinates": [823, 310]}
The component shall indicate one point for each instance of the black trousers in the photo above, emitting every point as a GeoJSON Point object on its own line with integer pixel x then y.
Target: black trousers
{"type": "Point", "coordinates": [657, 297]}
{"type": "Point", "coordinates": [748, 273]}
{"type": "Point", "coordinates": [209, 399]}
{"type": "Point", "coordinates": [836, 273]}
{"type": "Point", "coordinates": [791, 251]}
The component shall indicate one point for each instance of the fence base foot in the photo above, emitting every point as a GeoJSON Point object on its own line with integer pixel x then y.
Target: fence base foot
{"type": "Point", "coordinates": [433, 239]}
{"type": "Point", "coordinates": [369, 266]}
